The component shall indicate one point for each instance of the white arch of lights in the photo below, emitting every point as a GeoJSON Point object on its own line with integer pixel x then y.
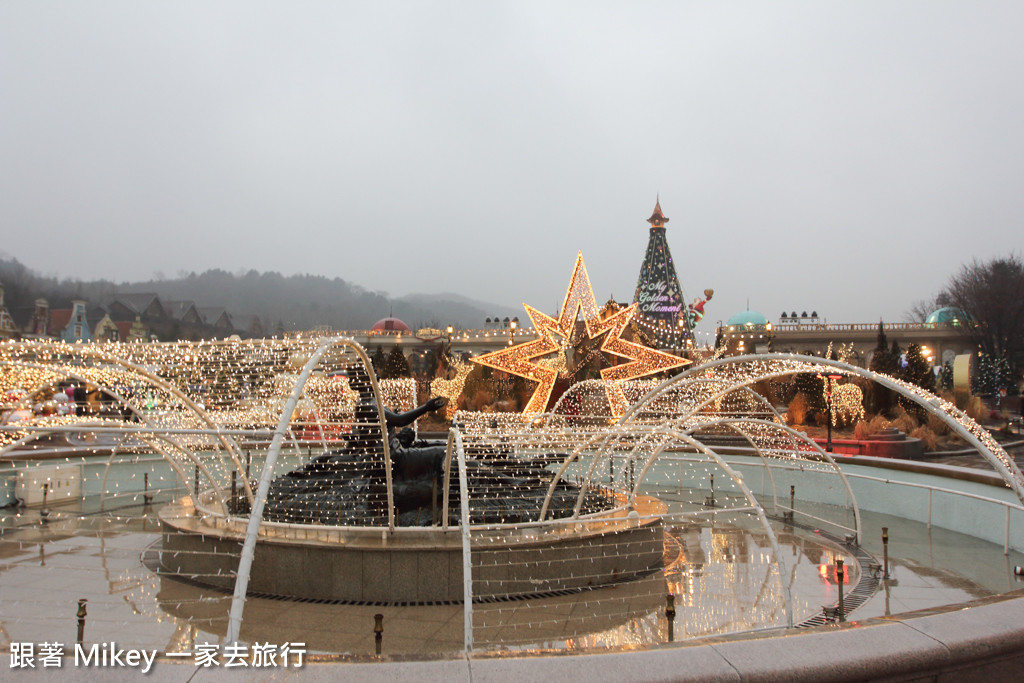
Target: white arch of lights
{"type": "Point", "coordinates": [106, 366]}
{"type": "Point", "coordinates": [593, 391]}
{"type": "Point", "coordinates": [736, 422]}
{"type": "Point", "coordinates": [69, 368]}
{"type": "Point", "coordinates": [578, 392]}
{"type": "Point", "coordinates": [689, 422]}
{"type": "Point", "coordinates": [602, 446]}
{"type": "Point", "coordinates": [155, 436]}
{"type": "Point", "coordinates": [659, 438]}
{"type": "Point", "coordinates": [156, 442]}
{"type": "Point", "coordinates": [743, 371]}
{"type": "Point", "coordinates": [256, 515]}
{"type": "Point", "coordinates": [668, 436]}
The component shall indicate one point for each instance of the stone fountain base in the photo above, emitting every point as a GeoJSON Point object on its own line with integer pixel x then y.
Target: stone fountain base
{"type": "Point", "coordinates": [413, 565]}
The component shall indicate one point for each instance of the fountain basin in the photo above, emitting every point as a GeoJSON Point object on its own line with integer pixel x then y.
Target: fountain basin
{"type": "Point", "coordinates": [422, 565]}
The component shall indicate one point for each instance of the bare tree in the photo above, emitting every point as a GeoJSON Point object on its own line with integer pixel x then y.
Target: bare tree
{"type": "Point", "coordinates": [920, 310]}
{"type": "Point", "coordinates": [992, 294]}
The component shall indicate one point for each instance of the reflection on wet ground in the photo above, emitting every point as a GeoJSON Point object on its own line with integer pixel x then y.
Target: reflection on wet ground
{"type": "Point", "coordinates": [721, 570]}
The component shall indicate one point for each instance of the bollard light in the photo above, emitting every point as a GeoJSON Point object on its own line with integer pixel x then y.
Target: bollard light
{"type": "Point", "coordinates": [885, 552]}
{"type": "Point", "coordinates": [81, 619]}
{"type": "Point", "coordinates": [670, 615]}
{"type": "Point", "coordinates": [840, 575]}
{"type": "Point", "coordinates": [378, 631]}
{"type": "Point", "coordinates": [44, 514]}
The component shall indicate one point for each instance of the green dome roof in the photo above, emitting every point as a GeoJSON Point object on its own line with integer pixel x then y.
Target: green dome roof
{"type": "Point", "coordinates": [947, 314]}
{"type": "Point", "coordinates": [751, 318]}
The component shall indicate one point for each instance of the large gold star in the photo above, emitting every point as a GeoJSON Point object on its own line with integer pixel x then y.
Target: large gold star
{"type": "Point", "coordinates": [579, 298]}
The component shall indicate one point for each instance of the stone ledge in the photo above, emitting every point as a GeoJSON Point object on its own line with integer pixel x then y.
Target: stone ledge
{"type": "Point", "coordinates": [976, 631]}
{"type": "Point", "coordinates": [978, 641]}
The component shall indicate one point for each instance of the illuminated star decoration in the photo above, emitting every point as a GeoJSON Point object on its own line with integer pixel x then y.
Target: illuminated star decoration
{"type": "Point", "coordinates": [520, 359]}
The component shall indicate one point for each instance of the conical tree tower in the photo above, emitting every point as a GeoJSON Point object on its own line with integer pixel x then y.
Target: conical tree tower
{"type": "Point", "coordinates": [661, 319]}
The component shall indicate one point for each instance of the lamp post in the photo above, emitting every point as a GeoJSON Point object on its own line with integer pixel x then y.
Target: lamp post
{"type": "Point", "coordinates": [445, 356]}
{"type": "Point", "coordinates": [829, 378]}
{"type": "Point", "coordinates": [512, 332]}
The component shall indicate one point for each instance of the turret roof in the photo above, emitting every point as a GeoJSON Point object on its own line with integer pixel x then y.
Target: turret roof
{"type": "Point", "coordinates": [657, 219]}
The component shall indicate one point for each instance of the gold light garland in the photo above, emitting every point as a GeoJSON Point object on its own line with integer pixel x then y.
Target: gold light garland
{"type": "Point", "coordinates": [451, 389]}
{"type": "Point", "coordinates": [847, 401]}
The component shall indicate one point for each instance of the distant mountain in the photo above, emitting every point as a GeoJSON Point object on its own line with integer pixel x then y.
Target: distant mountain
{"type": "Point", "coordinates": [441, 310]}
{"type": "Point", "coordinates": [297, 302]}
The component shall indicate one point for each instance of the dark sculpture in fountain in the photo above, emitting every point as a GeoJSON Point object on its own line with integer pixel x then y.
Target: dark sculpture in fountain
{"type": "Point", "coordinates": [347, 486]}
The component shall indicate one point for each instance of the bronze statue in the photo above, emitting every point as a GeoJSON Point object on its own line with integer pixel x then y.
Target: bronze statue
{"type": "Point", "coordinates": [348, 486]}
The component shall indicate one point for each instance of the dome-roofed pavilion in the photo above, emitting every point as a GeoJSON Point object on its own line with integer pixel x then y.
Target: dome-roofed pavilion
{"type": "Point", "coordinates": [390, 325]}
{"type": "Point", "coordinates": [747, 319]}
{"type": "Point", "coordinates": [948, 315]}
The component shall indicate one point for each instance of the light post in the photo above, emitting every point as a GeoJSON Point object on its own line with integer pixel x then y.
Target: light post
{"type": "Point", "coordinates": [829, 378]}
{"type": "Point", "coordinates": [512, 332]}
{"type": "Point", "coordinates": [446, 356]}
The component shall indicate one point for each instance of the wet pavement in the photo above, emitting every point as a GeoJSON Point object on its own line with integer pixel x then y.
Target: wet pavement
{"type": "Point", "coordinates": [720, 569]}
{"type": "Point", "coordinates": [1012, 445]}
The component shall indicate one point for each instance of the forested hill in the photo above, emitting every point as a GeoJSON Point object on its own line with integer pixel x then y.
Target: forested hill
{"type": "Point", "coordinates": [298, 302]}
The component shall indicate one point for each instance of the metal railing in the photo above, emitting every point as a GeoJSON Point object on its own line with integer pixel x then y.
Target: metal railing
{"type": "Point", "coordinates": [1007, 505]}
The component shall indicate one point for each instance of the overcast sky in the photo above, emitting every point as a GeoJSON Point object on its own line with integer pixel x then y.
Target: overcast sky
{"type": "Point", "coordinates": [844, 157]}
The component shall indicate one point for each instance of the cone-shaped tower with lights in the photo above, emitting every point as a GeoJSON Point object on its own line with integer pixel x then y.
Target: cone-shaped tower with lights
{"type": "Point", "coordinates": [661, 319]}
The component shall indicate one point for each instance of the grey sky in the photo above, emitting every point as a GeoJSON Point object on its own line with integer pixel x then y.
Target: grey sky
{"type": "Point", "coordinates": [839, 156]}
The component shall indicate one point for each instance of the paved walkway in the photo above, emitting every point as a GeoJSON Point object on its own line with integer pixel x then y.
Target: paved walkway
{"type": "Point", "coordinates": [1015, 448]}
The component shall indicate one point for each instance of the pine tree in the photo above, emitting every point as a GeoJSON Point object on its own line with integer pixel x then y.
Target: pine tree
{"type": "Point", "coordinates": [881, 358]}
{"type": "Point", "coordinates": [946, 378]}
{"type": "Point", "coordinates": [896, 353]}
{"type": "Point", "coordinates": [881, 400]}
{"type": "Point", "coordinates": [917, 370]}
{"type": "Point", "coordinates": [395, 365]}
{"type": "Point", "coordinates": [992, 376]}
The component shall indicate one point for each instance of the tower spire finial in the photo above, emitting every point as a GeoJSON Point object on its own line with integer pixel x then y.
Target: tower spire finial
{"type": "Point", "coordinates": [657, 219]}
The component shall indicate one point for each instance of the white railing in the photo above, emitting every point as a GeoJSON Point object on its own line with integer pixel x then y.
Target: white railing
{"type": "Point", "coordinates": [1007, 505]}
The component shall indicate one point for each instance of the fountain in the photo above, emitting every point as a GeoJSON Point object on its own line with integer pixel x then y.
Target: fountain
{"type": "Point", "coordinates": [265, 469]}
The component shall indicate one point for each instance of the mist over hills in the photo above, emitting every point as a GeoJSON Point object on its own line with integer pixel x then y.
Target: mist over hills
{"type": "Point", "coordinates": [297, 302]}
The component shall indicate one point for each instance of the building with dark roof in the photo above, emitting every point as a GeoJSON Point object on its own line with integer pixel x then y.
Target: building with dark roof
{"type": "Point", "coordinates": [146, 305]}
